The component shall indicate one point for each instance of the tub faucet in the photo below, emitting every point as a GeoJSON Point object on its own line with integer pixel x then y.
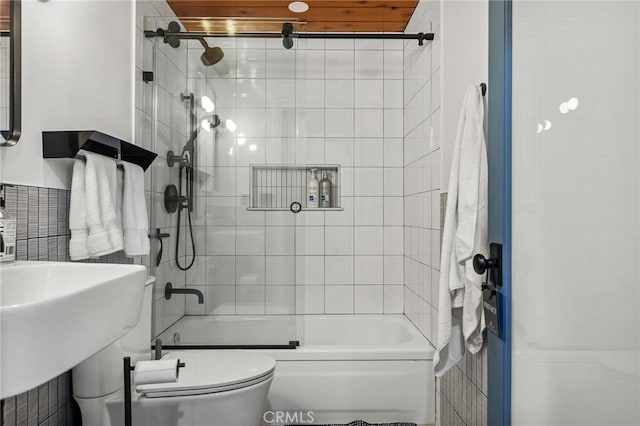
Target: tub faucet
{"type": "Point", "coordinates": [169, 290]}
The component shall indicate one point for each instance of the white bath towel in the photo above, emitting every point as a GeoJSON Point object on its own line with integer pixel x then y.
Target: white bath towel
{"type": "Point", "coordinates": [105, 237]}
{"type": "Point", "coordinates": [461, 315]}
{"type": "Point", "coordinates": [135, 219]}
{"type": "Point", "coordinates": [78, 214]}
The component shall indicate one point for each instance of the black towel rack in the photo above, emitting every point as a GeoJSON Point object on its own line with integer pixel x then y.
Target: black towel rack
{"type": "Point", "coordinates": [66, 144]}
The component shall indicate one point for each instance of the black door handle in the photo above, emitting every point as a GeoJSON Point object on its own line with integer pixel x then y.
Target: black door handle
{"type": "Point", "coordinates": [492, 265]}
{"type": "Point", "coordinates": [481, 264]}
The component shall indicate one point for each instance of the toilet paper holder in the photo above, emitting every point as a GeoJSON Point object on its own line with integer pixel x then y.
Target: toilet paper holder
{"type": "Point", "coordinates": [128, 368]}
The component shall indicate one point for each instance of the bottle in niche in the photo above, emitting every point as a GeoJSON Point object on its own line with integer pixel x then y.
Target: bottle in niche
{"type": "Point", "coordinates": [325, 191]}
{"type": "Point", "coordinates": [7, 234]}
{"type": "Point", "coordinates": [312, 190]}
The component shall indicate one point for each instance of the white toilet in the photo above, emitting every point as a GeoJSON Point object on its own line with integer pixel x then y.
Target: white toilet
{"type": "Point", "coordinates": [223, 388]}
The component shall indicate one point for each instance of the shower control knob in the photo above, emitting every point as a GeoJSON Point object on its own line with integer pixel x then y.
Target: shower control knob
{"type": "Point", "coordinates": [295, 207]}
{"type": "Point", "coordinates": [481, 264]}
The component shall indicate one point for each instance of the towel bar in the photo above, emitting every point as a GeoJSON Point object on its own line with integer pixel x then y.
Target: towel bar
{"type": "Point", "coordinates": [66, 144]}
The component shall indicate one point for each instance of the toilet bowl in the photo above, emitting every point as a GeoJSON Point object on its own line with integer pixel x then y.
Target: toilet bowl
{"type": "Point", "coordinates": [215, 387]}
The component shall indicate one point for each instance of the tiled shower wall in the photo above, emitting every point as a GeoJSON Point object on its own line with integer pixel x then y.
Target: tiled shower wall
{"type": "Point", "coordinates": [43, 234]}
{"type": "Point", "coordinates": [172, 117]}
{"type": "Point", "coordinates": [323, 102]}
{"type": "Point", "coordinates": [461, 395]}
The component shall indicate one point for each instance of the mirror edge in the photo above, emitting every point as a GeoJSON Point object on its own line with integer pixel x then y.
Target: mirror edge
{"type": "Point", "coordinates": [15, 75]}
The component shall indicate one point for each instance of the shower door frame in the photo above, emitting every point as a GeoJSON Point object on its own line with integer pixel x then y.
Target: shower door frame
{"type": "Point", "coordinates": [499, 152]}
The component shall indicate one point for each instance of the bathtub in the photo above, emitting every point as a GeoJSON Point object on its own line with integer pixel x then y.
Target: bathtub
{"type": "Point", "coordinates": [372, 367]}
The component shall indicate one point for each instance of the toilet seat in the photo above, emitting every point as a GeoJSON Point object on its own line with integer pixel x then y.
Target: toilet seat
{"type": "Point", "coordinates": [210, 371]}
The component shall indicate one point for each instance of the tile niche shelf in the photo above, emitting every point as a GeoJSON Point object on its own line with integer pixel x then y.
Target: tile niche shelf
{"type": "Point", "coordinates": [277, 186]}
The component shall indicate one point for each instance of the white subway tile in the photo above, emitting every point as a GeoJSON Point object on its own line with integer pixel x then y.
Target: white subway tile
{"type": "Point", "coordinates": [393, 299]}
{"type": "Point", "coordinates": [250, 300]}
{"type": "Point", "coordinates": [339, 64]}
{"type": "Point", "coordinates": [369, 211]}
{"type": "Point", "coordinates": [369, 299]}
{"type": "Point", "coordinates": [280, 240]}
{"type": "Point", "coordinates": [339, 93]}
{"type": "Point", "coordinates": [310, 300]}
{"type": "Point", "coordinates": [310, 270]}
{"type": "Point", "coordinates": [338, 240]}
{"type": "Point", "coordinates": [338, 299]}
{"type": "Point", "coordinates": [369, 64]}
{"type": "Point", "coordinates": [338, 270]}
{"type": "Point", "coordinates": [339, 123]}
{"type": "Point", "coordinates": [370, 93]}
{"type": "Point", "coordinates": [250, 270]}
{"type": "Point", "coordinates": [369, 181]}
{"type": "Point", "coordinates": [369, 123]}
{"type": "Point", "coordinates": [369, 270]}
{"type": "Point", "coordinates": [369, 240]}
{"type": "Point", "coordinates": [280, 300]}
{"type": "Point", "coordinates": [369, 152]}
{"type": "Point", "coordinates": [280, 270]}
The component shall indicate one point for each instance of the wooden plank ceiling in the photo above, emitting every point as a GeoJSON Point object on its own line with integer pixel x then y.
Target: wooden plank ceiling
{"type": "Point", "coordinates": [4, 15]}
{"type": "Point", "coordinates": [323, 15]}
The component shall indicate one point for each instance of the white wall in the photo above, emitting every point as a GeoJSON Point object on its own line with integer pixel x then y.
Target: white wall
{"type": "Point", "coordinates": [77, 63]}
{"type": "Point", "coordinates": [576, 210]}
{"type": "Point", "coordinates": [465, 61]}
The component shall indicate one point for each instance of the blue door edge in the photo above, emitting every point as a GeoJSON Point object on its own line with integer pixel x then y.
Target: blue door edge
{"type": "Point", "coordinates": [499, 151]}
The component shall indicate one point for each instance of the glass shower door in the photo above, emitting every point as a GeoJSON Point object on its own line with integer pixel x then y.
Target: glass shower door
{"type": "Point", "coordinates": [242, 112]}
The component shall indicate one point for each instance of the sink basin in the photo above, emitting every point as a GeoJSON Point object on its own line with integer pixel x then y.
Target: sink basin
{"type": "Point", "coordinates": [54, 315]}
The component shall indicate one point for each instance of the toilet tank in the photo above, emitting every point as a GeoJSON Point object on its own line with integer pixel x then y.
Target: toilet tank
{"type": "Point", "coordinates": [102, 373]}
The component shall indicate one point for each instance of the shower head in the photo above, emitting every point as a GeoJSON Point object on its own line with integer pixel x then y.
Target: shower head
{"type": "Point", "coordinates": [211, 55]}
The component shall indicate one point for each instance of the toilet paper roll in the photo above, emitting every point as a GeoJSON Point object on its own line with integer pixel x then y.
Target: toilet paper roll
{"type": "Point", "coordinates": [157, 371]}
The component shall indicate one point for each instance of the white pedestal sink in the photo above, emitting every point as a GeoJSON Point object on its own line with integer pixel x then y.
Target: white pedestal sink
{"type": "Point", "coordinates": [54, 315]}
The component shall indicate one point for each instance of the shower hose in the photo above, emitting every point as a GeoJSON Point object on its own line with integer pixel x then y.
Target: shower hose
{"type": "Point", "coordinates": [189, 206]}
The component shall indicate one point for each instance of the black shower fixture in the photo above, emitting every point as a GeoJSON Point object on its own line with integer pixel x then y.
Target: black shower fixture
{"type": "Point", "coordinates": [287, 38]}
{"type": "Point", "coordinates": [171, 40]}
{"type": "Point", "coordinates": [172, 35]}
{"type": "Point", "coordinates": [211, 55]}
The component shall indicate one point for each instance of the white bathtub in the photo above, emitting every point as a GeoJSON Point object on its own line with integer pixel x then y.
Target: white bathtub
{"type": "Point", "coordinates": [372, 367]}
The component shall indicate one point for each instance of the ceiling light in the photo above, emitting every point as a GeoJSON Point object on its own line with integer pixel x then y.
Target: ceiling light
{"type": "Point", "coordinates": [547, 124]}
{"type": "Point", "coordinates": [298, 7]}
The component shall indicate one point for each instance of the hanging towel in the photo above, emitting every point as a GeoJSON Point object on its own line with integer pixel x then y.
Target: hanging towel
{"type": "Point", "coordinates": [105, 237]}
{"type": "Point", "coordinates": [78, 214]}
{"type": "Point", "coordinates": [461, 315]}
{"type": "Point", "coordinates": [135, 219]}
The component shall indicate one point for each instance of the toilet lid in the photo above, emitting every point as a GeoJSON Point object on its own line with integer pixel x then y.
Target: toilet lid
{"type": "Point", "coordinates": [210, 371]}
